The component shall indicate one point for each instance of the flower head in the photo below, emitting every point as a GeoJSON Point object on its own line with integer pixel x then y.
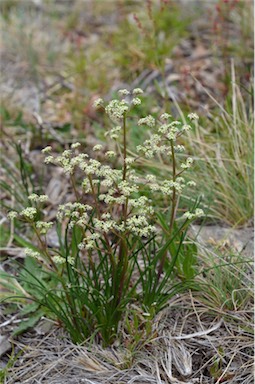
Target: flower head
{"type": "Point", "coordinates": [47, 149]}
{"type": "Point", "coordinates": [43, 226]}
{"type": "Point", "coordinates": [31, 253]}
{"type": "Point", "coordinates": [193, 116]}
{"type": "Point", "coordinates": [123, 92]}
{"type": "Point", "coordinates": [75, 145]}
{"type": "Point", "coordinates": [38, 198]}
{"type": "Point", "coordinates": [29, 213]}
{"type": "Point", "coordinates": [137, 91]}
{"type": "Point", "coordinates": [136, 101]}
{"type": "Point", "coordinates": [97, 147]}
{"type": "Point", "coordinates": [148, 120]}
{"type": "Point", "coordinates": [165, 117]}
{"type": "Point", "coordinates": [116, 109]}
{"type": "Point", "coordinates": [11, 215]}
{"type": "Point", "coordinates": [110, 154]}
{"type": "Point", "coordinates": [98, 103]}
{"type": "Point", "coordinates": [49, 159]}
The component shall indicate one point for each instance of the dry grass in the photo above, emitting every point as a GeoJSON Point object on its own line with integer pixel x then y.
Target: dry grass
{"type": "Point", "coordinates": [191, 345]}
{"type": "Point", "coordinates": [223, 149]}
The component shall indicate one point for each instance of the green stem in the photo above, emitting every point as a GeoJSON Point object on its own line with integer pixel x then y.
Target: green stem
{"type": "Point", "coordinates": [44, 248]}
{"type": "Point", "coordinates": [174, 195]}
{"type": "Point", "coordinates": [124, 148]}
{"type": "Point", "coordinates": [173, 210]}
{"type": "Point", "coordinates": [104, 234]}
{"type": "Point", "coordinates": [123, 253]}
{"type": "Point", "coordinates": [74, 188]}
{"type": "Point", "coordinates": [123, 266]}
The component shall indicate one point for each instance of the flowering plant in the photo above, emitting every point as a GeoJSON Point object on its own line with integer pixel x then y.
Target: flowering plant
{"type": "Point", "coordinates": [116, 250]}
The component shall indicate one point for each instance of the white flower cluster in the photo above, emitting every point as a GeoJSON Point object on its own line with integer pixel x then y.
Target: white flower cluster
{"type": "Point", "coordinates": [105, 226]}
{"type": "Point", "coordinates": [152, 146]}
{"type": "Point", "coordinates": [179, 148]}
{"type": "Point", "coordinates": [165, 117]}
{"type": "Point", "coordinates": [160, 143]}
{"type": "Point", "coordinates": [31, 253]}
{"type": "Point", "coordinates": [140, 226]}
{"type": "Point", "coordinates": [97, 147]}
{"type": "Point", "coordinates": [120, 190]}
{"type": "Point", "coordinates": [190, 216]}
{"type": "Point", "coordinates": [47, 149]}
{"type": "Point", "coordinates": [137, 91]}
{"type": "Point", "coordinates": [61, 260]}
{"type": "Point", "coordinates": [148, 120]}
{"type": "Point", "coordinates": [98, 103]}
{"type": "Point", "coordinates": [43, 226]}
{"type": "Point", "coordinates": [110, 154]}
{"type": "Point", "coordinates": [49, 159]}
{"type": "Point", "coordinates": [38, 198]}
{"type": "Point", "coordinates": [193, 116]}
{"type": "Point", "coordinates": [191, 183]}
{"type": "Point", "coordinates": [29, 213]}
{"type": "Point", "coordinates": [89, 242]}
{"type": "Point", "coordinates": [12, 215]}
{"type": "Point", "coordinates": [151, 178]}
{"type": "Point", "coordinates": [168, 132]}
{"type": "Point", "coordinates": [66, 160]}
{"type": "Point", "coordinates": [76, 212]}
{"type": "Point", "coordinates": [189, 162]}
{"type": "Point", "coordinates": [167, 186]}
{"type": "Point", "coordinates": [123, 92]}
{"type": "Point", "coordinates": [116, 109]}
{"type": "Point", "coordinates": [75, 145]}
{"type": "Point", "coordinates": [114, 133]}
{"type": "Point", "coordinates": [136, 101]}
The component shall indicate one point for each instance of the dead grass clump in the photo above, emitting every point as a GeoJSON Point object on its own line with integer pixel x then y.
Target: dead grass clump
{"type": "Point", "coordinates": [191, 346]}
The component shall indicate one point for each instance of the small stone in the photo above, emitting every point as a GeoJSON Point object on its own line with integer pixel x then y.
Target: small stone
{"type": "Point", "coordinates": [5, 345]}
{"type": "Point", "coordinates": [44, 327]}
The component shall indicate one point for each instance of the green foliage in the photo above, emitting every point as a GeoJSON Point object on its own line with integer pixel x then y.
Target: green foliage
{"type": "Point", "coordinates": [224, 158]}
{"type": "Point", "coordinates": [6, 6]}
{"type": "Point", "coordinates": [227, 15]}
{"type": "Point", "coordinates": [16, 186]}
{"type": "Point", "coordinates": [12, 359]}
{"type": "Point", "coordinates": [152, 35]}
{"type": "Point", "coordinates": [4, 235]}
{"type": "Point", "coordinates": [216, 367]}
{"type": "Point", "coordinates": [118, 251]}
{"type": "Point", "coordinates": [186, 263]}
{"type": "Point", "coordinates": [20, 291]}
{"type": "Point", "coordinates": [225, 281]}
